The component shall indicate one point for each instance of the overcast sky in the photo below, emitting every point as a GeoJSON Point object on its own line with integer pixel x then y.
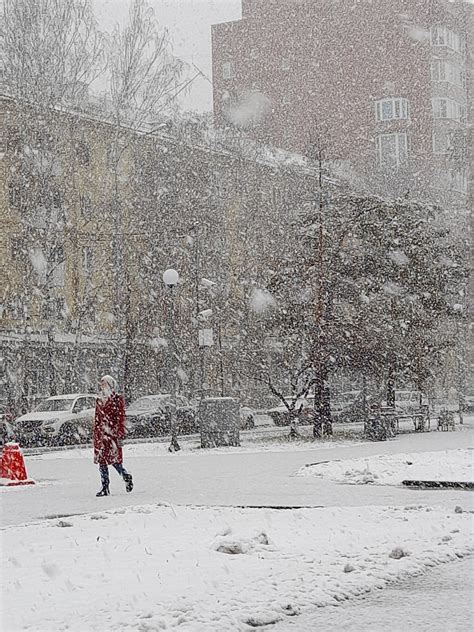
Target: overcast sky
{"type": "Point", "coordinates": [189, 24]}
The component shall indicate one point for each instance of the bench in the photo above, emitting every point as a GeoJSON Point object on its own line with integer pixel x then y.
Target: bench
{"type": "Point", "coordinates": [421, 421]}
{"type": "Point", "coordinates": [446, 420]}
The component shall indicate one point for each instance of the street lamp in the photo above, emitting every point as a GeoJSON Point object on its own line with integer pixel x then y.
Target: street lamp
{"type": "Point", "coordinates": [171, 280]}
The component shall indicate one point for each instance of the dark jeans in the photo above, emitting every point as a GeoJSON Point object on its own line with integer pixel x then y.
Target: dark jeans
{"type": "Point", "coordinates": [104, 472]}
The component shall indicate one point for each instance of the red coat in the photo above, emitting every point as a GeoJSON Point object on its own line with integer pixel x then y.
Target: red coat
{"type": "Point", "coordinates": [109, 430]}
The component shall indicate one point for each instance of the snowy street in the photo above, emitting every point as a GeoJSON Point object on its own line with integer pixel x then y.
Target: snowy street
{"type": "Point", "coordinates": [250, 475]}
{"type": "Point", "coordinates": [236, 352]}
{"type": "Point", "coordinates": [191, 555]}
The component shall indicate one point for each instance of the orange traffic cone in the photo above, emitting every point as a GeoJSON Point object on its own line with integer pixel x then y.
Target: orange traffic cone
{"type": "Point", "coordinates": [13, 470]}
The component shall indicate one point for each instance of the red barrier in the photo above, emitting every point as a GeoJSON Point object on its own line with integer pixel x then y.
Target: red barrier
{"type": "Point", "coordinates": [13, 470]}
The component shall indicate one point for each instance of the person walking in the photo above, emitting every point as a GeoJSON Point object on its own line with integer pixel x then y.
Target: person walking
{"type": "Point", "coordinates": [109, 431]}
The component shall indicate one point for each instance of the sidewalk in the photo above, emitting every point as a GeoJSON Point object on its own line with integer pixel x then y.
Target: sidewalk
{"type": "Point", "coordinates": [186, 549]}
{"type": "Point", "coordinates": [67, 481]}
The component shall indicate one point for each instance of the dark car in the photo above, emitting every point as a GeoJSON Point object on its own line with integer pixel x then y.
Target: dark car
{"type": "Point", "coordinates": [5, 432]}
{"type": "Point", "coordinates": [150, 416]}
{"type": "Point", "coordinates": [304, 407]}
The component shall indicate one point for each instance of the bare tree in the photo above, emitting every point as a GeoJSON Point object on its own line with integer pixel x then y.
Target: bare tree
{"type": "Point", "coordinates": [51, 50]}
{"type": "Point", "coordinates": [144, 74]}
{"type": "Point", "coordinates": [144, 81]}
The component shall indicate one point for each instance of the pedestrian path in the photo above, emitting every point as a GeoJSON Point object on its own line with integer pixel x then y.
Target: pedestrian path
{"type": "Point", "coordinates": [441, 600]}
{"type": "Point", "coordinates": [247, 476]}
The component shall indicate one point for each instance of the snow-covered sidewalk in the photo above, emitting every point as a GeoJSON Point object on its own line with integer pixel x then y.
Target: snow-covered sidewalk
{"type": "Point", "coordinates": [392, 469]}
{"type": "Point", "coordinates": [159, 567]}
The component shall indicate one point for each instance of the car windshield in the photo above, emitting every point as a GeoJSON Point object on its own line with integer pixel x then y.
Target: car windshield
{"type": "Point", "coordinates": [308, 401]}
{"type": "Point", "coordinates": [349, 397]}
{"type": "Point", "coordinates": [142, 404]}
{"type": "Point", "coordinates": [54, 405]}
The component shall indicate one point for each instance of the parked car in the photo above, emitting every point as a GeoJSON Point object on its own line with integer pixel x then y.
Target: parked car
{"type": "Point", "coordinates": [247, 418]}
{"type": "Point", "coordinates": [60, 420]}
{"type": "Point", "coordinates": [304, 407]}
{"type": "Point", "coordinates": [150, 416]}
{"type": "Point", "coordinates": [5, 432]}
{"type": "Point", "coordinates": [252, 418]}
{"type": "Point", "coordinates": [468, 402]}
{"type": "Point", "coordinates": [348, 406]}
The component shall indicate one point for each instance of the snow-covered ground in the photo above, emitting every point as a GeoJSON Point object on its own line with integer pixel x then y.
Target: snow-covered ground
{"type": "Point", "coordinates": [445, 465]}
{"type": "Point", "coordinates": [439, 601]}
{"type": "Point", "coordinates": [200, 545]}
{"type": "Point", "coordinates": [152, 567]}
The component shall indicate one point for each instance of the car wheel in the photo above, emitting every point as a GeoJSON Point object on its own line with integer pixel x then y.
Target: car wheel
{"type": "Point", "coordinates": [67, 435]}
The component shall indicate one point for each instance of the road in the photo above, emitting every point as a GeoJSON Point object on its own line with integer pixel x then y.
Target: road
{"type": "Point", "coordinates": [262, 473]}
{"type": "Point", "coordinates": [249, 476]}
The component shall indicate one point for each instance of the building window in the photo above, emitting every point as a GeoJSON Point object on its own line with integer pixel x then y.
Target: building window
{"type": "Point", "coordinates": [112, 156]}
{"type": "Point", "coordinates": [19, 250]}
{"type": "Point", "coordinates": [87, 259]}
{"type": "Point", "coordinates": [14, 196]}
{"type": "Point", "coordinates": [60, 308]}
{"type": "Point", "coordinates": [12, 140]}
{"type": "Point", "coordinates": [458, 180]}
{"type": "Point", "coordinates": [228, 71]}
{"type": "Point", "coordinates": [442, 36]}
{"type": "Point", "coordinates": [392, 149]}
{"type": "Point", "coordinates": [441, 141]}
{"type": "Point", "coordinates": [16, 309]}
{"type": "Point", "coordinates": [85, 206]}
{"type": "Point", "coordinates": [449, 71]}
{"type": "Point", "coordinates": [220, 184]}
{"type": "Point", "coordinates": [391, 109]}
{"type": "Point", "coordinates": [448, 109]}
{"type": "Point", "coordinates": [58, 266]}
{"type": "Point", "coordinates": [83, 153]}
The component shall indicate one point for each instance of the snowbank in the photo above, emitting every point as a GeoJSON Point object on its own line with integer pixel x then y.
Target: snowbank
{"type": "Point", "coordinates": [156, 567]}
{"type": "Point", "coordinates": [392, 469]}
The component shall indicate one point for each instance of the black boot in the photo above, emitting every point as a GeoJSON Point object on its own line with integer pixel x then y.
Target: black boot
{"type": "Point", "coordinates": [128, 482]}
{"type": "Point", "coordinates": [103, 492]}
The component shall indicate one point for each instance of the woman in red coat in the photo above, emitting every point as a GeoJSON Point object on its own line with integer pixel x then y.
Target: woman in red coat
{"type": "Point", "coordinates": [109, 431]}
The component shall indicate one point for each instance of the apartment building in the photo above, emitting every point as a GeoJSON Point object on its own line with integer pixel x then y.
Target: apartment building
{"type": "Point", "coordinates": [383, 87]}
{"type": "Point", "coordinates": [207, 208]}
{"type": "Point", "coordinates": [387, 85]}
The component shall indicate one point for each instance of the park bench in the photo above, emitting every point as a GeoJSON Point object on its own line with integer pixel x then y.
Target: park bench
{"type": "Point", "coordinates": [446, 420]}
{"type": "Point", "coordinates": [421, 421]}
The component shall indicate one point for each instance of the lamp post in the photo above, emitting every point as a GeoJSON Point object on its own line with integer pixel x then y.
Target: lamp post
{"type": "Point", "coordinates": [205, 333]}
{"type": "Point", "coordinates": [171, 280]}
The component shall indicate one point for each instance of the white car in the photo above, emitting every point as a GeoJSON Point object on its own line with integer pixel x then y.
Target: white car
{"type": "Point", "coordinates": [59, 420]}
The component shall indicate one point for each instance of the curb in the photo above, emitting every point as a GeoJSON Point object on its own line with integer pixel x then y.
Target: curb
{"type": "Point", "coordinates": [439, 484]}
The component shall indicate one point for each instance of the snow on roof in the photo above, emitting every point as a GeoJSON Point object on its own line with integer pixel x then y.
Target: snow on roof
{"type": "Point", "coordinates": [72, 396]}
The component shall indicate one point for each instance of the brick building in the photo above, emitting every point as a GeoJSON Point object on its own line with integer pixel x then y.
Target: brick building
{"type": "Point", "coordinates": [387, 84]}
{"type": "Point", "coordinates": [384, 86]}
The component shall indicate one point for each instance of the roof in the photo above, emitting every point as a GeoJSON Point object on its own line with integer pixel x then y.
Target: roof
{"type": "Point", "coordinates": [73, 396]}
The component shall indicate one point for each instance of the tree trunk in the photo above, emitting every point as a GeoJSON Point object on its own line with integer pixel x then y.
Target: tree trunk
{"type": "Point", "coordinates": [391, 387]}
{"type": "Point", "coordinates": [294, 434]}
{"type": "Point", "coordinates": [322, 422]}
